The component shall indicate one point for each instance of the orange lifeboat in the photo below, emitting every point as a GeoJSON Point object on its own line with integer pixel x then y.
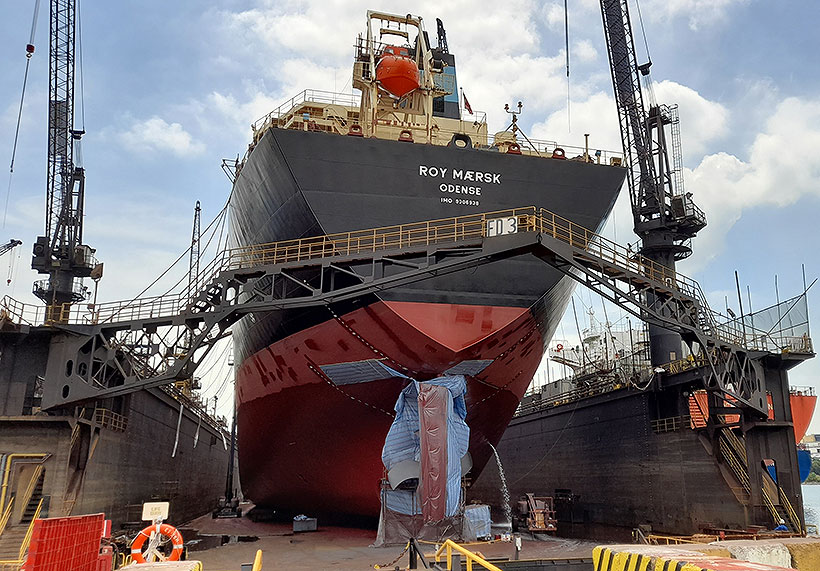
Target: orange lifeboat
{"type": "Point", "coordinates": [397, 72]}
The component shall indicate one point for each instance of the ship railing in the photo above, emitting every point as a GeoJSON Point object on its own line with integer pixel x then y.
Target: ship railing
{"type": "Point", "coordinates": [107, 418]}
{"type": "Point", "coordinates": [306, 96]}
{"type": "Point", "coordinates": [802, 391]}
{"type": "Point", "coordinates": [194, 405]}
{"type": "Point", "coordinates": [541, 402]}
{"type": "Point", "coordinates": [537, 147]}
{"type": "Point", "coordinates": [446, 230]}
{"type": "Point", "coordinates": [670, 423]}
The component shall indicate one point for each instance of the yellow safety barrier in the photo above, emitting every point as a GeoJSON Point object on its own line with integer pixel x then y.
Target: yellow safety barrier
{"type": "Point", "coordinates": [7, 472]}
{"type": "Point", "coordinates": [4, 520]}
{"type": "Point", "coordinates": [449, 546]}
{"type": "Point", "coordinates": [257, 561]}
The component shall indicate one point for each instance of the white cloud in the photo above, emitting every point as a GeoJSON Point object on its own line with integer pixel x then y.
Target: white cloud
{"type": "Point", "coordinates": [156, 135]}
{"type": "Point", "coordinates": [584, 51]}
{"type": "Point", "coordinates": [702, 120]}
{"type": "Point", "coordinates": [553, 14]}
{"type": "Point", "coordinates": [699, 13]}
{"type": "Point", "coordinates": [782, 168]}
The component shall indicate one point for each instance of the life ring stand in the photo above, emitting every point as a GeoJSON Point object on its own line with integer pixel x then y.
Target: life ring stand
{"type": "Point", "coordinates": [165, 529]}
{"type": "Point", "coordinates": [559, 347]}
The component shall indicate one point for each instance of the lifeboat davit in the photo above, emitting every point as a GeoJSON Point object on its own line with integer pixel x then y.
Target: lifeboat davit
{"type": "Point", "coordinates": [397, 72]}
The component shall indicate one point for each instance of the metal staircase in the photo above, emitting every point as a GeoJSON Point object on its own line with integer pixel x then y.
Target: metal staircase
{"type": "Point", "coordinates": [733, 454]}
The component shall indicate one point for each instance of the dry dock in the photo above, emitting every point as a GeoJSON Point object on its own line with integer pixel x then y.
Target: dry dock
{"type": "Point", "coordinates": [349, 548]}
{"type": "Point", "coordinates": [342, 548]}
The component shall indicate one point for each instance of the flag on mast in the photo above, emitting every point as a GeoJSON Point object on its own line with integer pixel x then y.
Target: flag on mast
{"type": "Point", "coordinates": [467, 103]}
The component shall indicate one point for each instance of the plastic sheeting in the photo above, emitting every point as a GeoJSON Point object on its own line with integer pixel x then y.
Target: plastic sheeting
{"type": "Point", "coordinates": [403, 442]}
{"type": "Point", "coordinates": [434, 403]}
{"type": "Point", "coordinates": [477, 516]}
{"type": "Point", "coordinates": [431, 506]}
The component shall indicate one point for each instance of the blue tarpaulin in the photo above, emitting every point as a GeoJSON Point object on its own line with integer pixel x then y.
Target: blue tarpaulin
{"type": "Point", "coordinates": [403, 443]}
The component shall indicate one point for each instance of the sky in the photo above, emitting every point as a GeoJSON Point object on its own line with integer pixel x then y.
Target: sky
{"type": "Point", "coordinates": [170, 89]}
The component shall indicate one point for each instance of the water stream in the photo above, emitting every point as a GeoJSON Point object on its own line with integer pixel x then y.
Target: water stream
{"type": "Point", "coordinates": [505, 492]}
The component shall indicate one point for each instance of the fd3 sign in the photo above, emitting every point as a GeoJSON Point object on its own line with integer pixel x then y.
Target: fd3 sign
{"type": "Point", "coordinates": [501, 226]}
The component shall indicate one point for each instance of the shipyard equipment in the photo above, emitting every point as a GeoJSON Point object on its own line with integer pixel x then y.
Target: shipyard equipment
{"type": "Point", "coordinates": [9, 246]}
{"type": "Point", "coordinates": [665, 217]}
{"type": "Point", "coordinates": [96, 444]}
{"type": "Point", "coordinates": [60, 253]}
{"type": "Point", "coordinates": [536, 514]}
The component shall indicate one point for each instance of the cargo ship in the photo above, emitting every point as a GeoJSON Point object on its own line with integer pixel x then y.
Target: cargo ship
{"type": "Point", "coordinates": [315, 388]}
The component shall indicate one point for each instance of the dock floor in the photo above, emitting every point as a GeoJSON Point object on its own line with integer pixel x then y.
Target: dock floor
{"type": "Point", "coordinates": [339, 547]}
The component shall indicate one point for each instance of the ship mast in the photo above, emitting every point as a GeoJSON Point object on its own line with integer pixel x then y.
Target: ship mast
{"type": "Point", "coordinates": [665, 217]}
{"type": "Point", "coordinates": [60, 253]}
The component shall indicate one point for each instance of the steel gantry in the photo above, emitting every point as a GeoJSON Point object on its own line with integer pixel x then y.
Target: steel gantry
{"type": "Point", "coordinates": [121, 347]}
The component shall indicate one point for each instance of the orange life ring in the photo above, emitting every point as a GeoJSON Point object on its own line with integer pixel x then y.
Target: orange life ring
{"type": "Point", "coordinates": [165, 529]}
{"type": "Point", "coordinates": [559, 347]}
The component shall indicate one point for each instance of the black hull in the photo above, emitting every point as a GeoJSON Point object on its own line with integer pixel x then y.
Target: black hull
{"type": "Point", "coordinates": [297, 184]}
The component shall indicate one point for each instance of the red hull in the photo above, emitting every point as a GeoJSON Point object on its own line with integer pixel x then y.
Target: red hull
{"type": "Point", "coordinates": [802, 411]}
{"type": "Point", "coordinates": [316, 444]}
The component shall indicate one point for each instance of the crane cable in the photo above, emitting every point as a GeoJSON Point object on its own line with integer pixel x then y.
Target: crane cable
{"type": "Point", "coordinates": [643, 31]}
{"type": "Point", "coordinates": [80, 65]}
{"type": "Point", "coordinates": [29, 53]}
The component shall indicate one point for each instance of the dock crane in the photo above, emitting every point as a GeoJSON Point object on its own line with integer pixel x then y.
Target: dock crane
{"type": "Point", "coordinates": [665, 217]}
{"type": "Point", "coordinates": [60, 252]}
{"type": "Point", "coordinates": [9, 246]}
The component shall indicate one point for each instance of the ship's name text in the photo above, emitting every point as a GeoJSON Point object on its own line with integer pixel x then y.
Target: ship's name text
{"type": "Point", "coordinates": [460, 174]}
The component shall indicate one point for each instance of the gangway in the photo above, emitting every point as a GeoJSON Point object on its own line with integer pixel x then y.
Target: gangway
{"type": "Point", "coordinates": [115, 348]}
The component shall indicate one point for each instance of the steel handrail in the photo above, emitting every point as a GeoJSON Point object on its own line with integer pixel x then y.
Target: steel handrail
{"type": "Point", "coordinates": [784, 501]}
{"type": "Point", "coordinates": [444, 230]}
{"type": "Point", "coordinates": [10, 458]}
{"type": "Point", "coordinates": [740, 471]}
{"type": "Point", "coordinates": [4, 520]}
{"type": "Point", "coordinates": [38, 471]}
{"type": "Point", "coordinates": [30, 530]}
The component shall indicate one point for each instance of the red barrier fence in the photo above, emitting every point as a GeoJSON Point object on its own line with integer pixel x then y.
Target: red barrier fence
{"type": "Point", "coordinates": [67, 544]}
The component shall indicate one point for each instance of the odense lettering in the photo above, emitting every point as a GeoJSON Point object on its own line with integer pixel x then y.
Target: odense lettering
{"type": "Point", "coordinates": [460, 189]}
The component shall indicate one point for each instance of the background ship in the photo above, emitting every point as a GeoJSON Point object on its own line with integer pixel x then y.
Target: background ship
{"type": "Point", "coordinates": [619, 451]}
{"type": "Point", "coordinates": [316, 388]}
